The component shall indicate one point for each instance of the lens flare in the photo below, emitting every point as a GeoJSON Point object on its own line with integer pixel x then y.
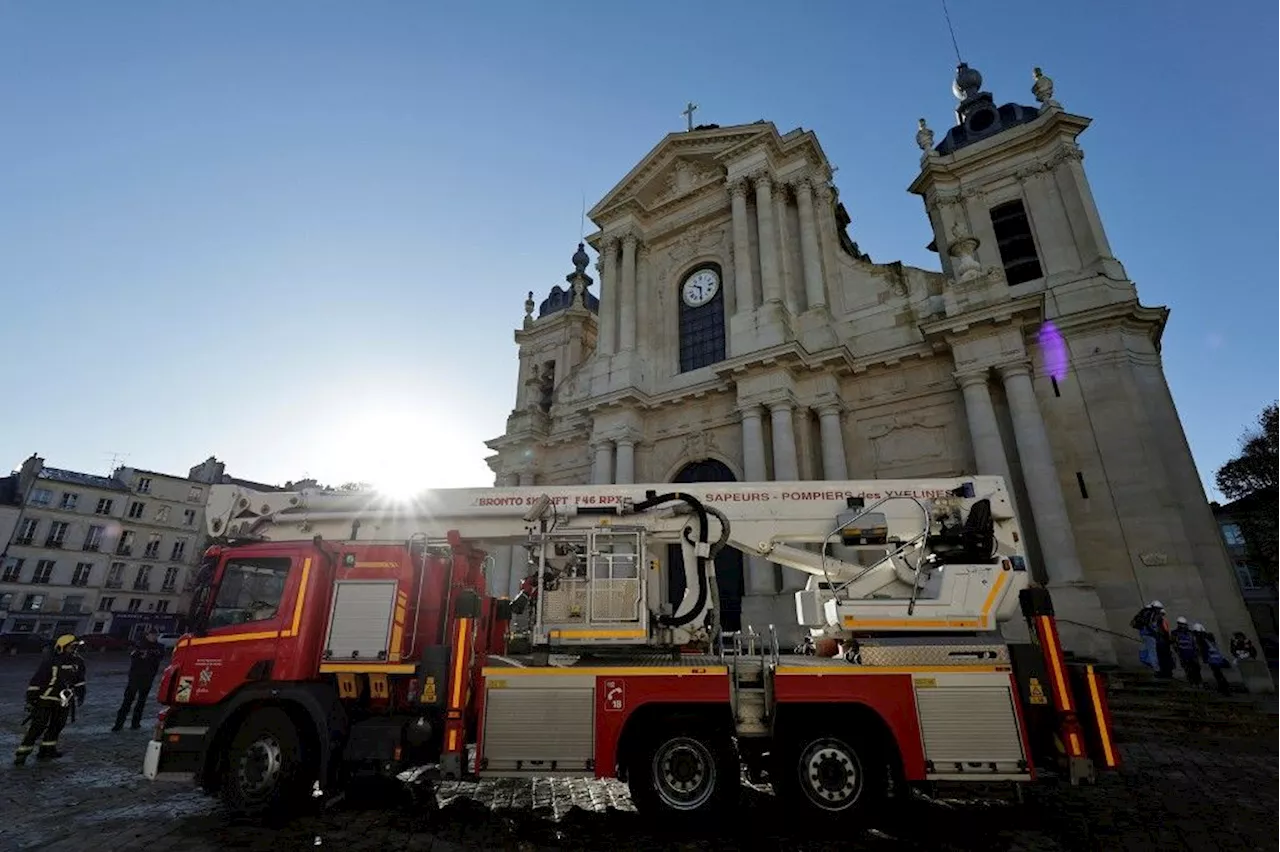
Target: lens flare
{"type": "Point", "coordinates": [1053, 351]}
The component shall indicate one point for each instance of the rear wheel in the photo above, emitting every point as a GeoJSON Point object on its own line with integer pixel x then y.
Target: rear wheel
{"type": "Point", "coordinates": [265, 769]}
{"type": "Point", "coordinates": [688, 770]}
{"type": "Point", "coordinates": [832, 774]}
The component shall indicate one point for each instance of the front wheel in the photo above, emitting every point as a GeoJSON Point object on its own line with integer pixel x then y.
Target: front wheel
{"type": "Point", "coordinates": [684, 771]}
{"type": "Point", "coordinates": [265, 770]}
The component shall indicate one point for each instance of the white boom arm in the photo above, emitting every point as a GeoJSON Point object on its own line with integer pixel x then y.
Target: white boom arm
{"type": "Point", "coordinates": [900, 521]}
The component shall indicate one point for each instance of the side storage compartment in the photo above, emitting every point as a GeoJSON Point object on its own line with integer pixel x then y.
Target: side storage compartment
{"type": "Point", "coordinates": [532, 727]}
{"type": "Point", "coordinates": [360, 620]}
{"type": "Point", "coordinates": [970, 728]}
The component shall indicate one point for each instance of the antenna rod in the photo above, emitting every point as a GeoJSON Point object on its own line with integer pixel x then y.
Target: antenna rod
{"type": "Point", "coordinates": [951, 30]}
{"type": "Point", "coordinates": [582, 222]}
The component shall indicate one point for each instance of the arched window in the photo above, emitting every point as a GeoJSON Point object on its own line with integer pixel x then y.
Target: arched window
{"type": "Point", "coordinates": [701, 298]}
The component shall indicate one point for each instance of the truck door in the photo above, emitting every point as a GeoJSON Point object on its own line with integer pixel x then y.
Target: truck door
{"type": "Point", "coordinates": [247, 626]}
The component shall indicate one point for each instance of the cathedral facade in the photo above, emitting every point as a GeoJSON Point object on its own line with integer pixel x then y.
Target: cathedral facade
{"type": "Point", "coordinates": [740, 334]}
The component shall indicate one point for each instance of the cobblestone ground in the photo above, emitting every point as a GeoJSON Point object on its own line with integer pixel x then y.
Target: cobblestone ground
{"type": "Point", "coordinates": [1177, 791]}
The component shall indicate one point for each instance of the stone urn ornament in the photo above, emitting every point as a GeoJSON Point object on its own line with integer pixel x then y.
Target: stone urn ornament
{"type": "Point", "coordinates": [1042, 90]}
{"type": "Point", "coordinates": [924, 138]}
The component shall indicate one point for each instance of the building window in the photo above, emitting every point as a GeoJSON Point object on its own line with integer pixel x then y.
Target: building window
{"type": "Point", "coordinates": [105, 604]}
{"type": "Point", "coordinates": [195, 495]}
{"type": "Point", "coordinates": [702, 340]}
{"type": "Point", "coordinates": [1248, 577]}
{"type": "Point", "coordinates": [1232, 535]}
{"type": "Point", "coordinates": [12, 570]}
{"type": "Point", "coordinates": [41, 497]}
{"type": "Point", "coordinates": [115, 576]}
{"type": "Point", "coordinates": [162, 606]}
{"type": "Point", "coordinates": [104, 506]}
{"type": "Point", "coordinates": [6, 601]}
{"type": "Point", "coordinates": [1017, 245]}
{"type": "Point", "coordinates": [142, 582]}
{"type": "Point", "coordinates": [57, 534]}
{"type": "Point", "coordinates": [32, 603]}
{"type": "Point", "coordinates": [44, 570]}
{"type": "Point", "coordinates": [135, 604]}
{"type": "Point", "coordinates": [93, 538]}
{"type": "Point", "coordinates": [170, 579]}
{"type": "Point", "coordinates": [188, 517]}
{"type": "Point", "coordinates": [81, 575]}
{"type": "Point", "coordinates": [26, 531]}
{"type": "Point", "coordinates": [179, 550]}
{"type": "Point", "coordinates": [144, 485]}
{"type": "Point", "coordinates": [68, 501]}
{"type": "Point", "coordinates": [136, 508]}
{"type": "Point", "coordinates": [152, 549]}
{"type": "Point", "coordinates": [125, 547]}
{"type": "Point", "coordinates": [162, 514]}
{"type": "Point", "coordinates": [72, 603]}
{"type": "Point", "coordinates": [250, 591]}
{"type": "Point", "coordinates": [99, 626]}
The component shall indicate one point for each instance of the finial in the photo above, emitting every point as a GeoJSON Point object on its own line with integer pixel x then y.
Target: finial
{"type": "Point", "coordinates": [1042, 90]}
{"type": "Point", "coordinates": [580, 260]}
{"type": "Point", "coordinates": [528, 310]}
{"type": "Point", "coordinates": [924, 137]}
{"type": "Point", "coordinates": [968, 82]}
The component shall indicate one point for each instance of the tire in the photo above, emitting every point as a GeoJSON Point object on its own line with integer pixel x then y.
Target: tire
{"type": "Point", "coordinates": [265, 770]}
{"type": "Point", "coordinates": [684, 771]}
{"type": "Point", "coordinates": [832, 775]}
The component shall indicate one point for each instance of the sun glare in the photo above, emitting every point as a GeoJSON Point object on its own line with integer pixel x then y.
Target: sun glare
{"type": "Point", "coordinates": [403, 453]}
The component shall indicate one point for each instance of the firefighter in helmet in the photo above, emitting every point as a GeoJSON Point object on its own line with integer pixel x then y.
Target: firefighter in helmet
{"type": "Point", "coordinates": [57, 687]}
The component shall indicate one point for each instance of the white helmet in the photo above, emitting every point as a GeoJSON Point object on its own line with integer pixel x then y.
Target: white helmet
{"type": "Point", "coordinates": [1156, 605]}
{"type": "Point", "coordinates": [1182, 619]}
{"type": "Point", "coordinates": [1198, 628]}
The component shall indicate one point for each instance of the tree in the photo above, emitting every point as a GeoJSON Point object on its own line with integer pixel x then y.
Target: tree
{"type": "Point", "coordinates": [1251, 477]}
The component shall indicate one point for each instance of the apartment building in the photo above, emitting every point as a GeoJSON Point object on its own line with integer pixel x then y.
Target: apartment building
{"type": "Point", "coordinates": [103, 554]}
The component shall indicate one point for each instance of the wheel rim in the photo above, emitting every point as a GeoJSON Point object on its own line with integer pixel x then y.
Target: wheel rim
{"type": "Point", "coordinates": [261, 765]}
{"type": "Point", "coordinates": [831, 774]}
{"type": "Point", "coordinates": [684, 773]}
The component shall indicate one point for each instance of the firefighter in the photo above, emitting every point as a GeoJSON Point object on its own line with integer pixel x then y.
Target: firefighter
{"type": "Point", "coordinates": [1154, 629]}
{"type": "Point", "coordinates": [144, 662]}
{"type": "Point", "coordinates": [1207, 647]}
{"type": "Point", "coordinates": [57, 687]}
{"type": "Point", "coordinates": [1188, 651]}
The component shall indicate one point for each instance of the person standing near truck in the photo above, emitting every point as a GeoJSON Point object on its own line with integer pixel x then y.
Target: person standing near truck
{"type": "Point", "coordinates": [56, 688]}
{"type": "Point", "coordinates": [144, 662]}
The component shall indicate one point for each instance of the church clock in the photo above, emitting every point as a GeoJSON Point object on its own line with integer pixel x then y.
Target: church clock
{"type": "Point", "coordinates": [700, 287]}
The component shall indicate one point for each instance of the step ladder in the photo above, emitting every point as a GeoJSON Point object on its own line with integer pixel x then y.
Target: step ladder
{"type": "Point", "coordinates": [752, 660]}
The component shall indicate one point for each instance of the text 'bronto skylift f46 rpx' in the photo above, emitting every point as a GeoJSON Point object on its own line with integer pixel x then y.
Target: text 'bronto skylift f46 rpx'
{"type": "Point", "coordinates": [335, 636]}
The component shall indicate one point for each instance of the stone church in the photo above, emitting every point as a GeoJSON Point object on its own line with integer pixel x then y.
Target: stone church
{"type": "Point", "coordinates": [741, 335]}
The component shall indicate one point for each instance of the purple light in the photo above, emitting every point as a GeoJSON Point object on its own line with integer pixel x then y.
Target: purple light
{"type": "Point", "coordinates": [1053, 349]}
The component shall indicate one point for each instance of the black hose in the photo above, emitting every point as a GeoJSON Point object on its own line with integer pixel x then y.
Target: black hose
{"type": "Point", "coordinates": [698, 509]}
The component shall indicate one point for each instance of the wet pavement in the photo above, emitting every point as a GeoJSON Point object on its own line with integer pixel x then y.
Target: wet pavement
{"type": "Point", "coordinates": [1179, 790]}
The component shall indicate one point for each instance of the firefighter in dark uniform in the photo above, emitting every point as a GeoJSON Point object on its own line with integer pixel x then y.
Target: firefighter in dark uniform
{"type": "Point", "coordinates": [57, 687]}
{"type": "Point", "coordinates": [144, 662]}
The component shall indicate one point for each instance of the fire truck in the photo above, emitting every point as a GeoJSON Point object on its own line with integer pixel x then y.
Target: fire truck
{"type": "Point", "coordinates": [337, 636]}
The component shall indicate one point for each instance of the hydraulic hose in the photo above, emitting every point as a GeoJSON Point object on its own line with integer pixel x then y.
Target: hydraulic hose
{"type": "Point", "coordinates": [655, 500]}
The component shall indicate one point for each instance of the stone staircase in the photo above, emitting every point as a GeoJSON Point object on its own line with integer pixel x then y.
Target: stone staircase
{"type": "Point", "coordinates": [1142, 704]}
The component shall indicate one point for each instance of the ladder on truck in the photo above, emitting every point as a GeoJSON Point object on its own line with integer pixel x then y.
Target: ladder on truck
{"type": "Point", "coordinates": [752, 659]}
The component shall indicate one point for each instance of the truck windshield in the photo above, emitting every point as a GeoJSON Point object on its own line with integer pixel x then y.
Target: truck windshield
{"type": "Point", "coordinates": [250, 590]}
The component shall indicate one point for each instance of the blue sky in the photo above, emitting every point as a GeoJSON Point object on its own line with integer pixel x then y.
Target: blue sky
{"type": "Point", "coordinates": [298, 235]}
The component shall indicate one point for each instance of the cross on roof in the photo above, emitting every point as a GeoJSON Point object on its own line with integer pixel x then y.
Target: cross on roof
{"type": "Point", "coordinates": [688, 113]}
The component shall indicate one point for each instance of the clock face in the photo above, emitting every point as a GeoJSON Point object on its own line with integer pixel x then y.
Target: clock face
{"type": "Point", "coordinates": [700, 287]}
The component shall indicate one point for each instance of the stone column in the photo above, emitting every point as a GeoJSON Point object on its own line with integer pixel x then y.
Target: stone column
{"type": "Point", "coordinates": [743, 286]}
{"type": "Point", "coordinates": [759, 579]}
{"type": "Point", "coordinates": [785, 460]}
{"type": "Point", "coordinates": [627, 304]}
{"type": "Point", "coordinates": [834, 465]}
{"type": "Point", "coordinates": [607, 339]}
{"type": "Point", "coordinates": [625, 467]}
{"type": "Point", "coordinates": [602, 467]}
{"type": "Point", "coordinates": [1053, 525]}
{"type": "Point", "coordinates": [769, 279]}
{"type": "Point", "coordinates": [810, 251]}
{"type": "Point", "coordinates": [500, 579]}
{"type": "Point", "coordinates": [988, 448]}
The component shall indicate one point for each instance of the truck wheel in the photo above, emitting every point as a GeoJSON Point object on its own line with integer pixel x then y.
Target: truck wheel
{"type": "Point", "coordinates": [264, 765]}
{"type": "Point", "coordinates": [684, 771]}
{"type": "Point", "coordinates": [832, 774]}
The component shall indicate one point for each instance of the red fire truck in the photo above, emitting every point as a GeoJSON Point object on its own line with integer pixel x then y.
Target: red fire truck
{"type": "Point", "coordinates": [335, 636]}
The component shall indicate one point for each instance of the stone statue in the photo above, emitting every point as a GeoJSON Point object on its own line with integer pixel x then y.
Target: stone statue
{"type": "Point", "coordinates": [964, 267]}
{"type": "Point", "coordinates": [924, 137]}
{"type": "Point", "coordinates": [1042, 89]}
{"type": "Point", "coordinates": [528, 310]}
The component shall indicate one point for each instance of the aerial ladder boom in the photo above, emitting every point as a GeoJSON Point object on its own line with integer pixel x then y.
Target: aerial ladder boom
{"type": "Point", "coordinates": [923, 555]}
